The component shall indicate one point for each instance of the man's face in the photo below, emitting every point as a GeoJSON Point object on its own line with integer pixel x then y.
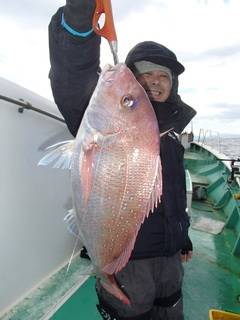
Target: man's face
{"type": "Point", "coordinates": [157, 85]}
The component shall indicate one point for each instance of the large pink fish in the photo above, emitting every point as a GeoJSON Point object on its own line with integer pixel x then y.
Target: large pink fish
{"type": "Point", "coordinates": [116, 171]}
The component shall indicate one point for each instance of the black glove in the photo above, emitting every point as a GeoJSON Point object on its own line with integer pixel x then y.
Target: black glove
{"type": "Point", "coordinates": [79, 14]}
{"type": "Point", "coordinates": [187, 247]}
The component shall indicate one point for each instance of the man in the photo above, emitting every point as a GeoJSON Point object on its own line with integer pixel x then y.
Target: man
{"type": "Point", "coordinates": [152, 278]}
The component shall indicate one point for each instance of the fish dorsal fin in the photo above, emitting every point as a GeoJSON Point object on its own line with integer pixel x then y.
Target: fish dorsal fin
{"type": "Point", "coordinates": [60, 155]}
{"type": "Point", "coordinates": [165, 132]}
{"type": "Point", "coordinates": [154, 199]}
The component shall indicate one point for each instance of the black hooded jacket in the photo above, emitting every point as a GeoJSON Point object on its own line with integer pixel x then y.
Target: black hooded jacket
{"type": "Point", "coordinates": [73, 76]}
{"type": "Point", "coordinates": [166, 230]}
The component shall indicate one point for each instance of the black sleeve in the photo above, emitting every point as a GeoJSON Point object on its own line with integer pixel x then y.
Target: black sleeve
{"type": "Point", "coordinates": [74, 70]}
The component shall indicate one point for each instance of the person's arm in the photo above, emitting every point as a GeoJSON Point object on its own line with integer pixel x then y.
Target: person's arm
{"type": "Point", "coordinates": [187, 249]}
{"type": "Point", "coordinates": [74, 60]}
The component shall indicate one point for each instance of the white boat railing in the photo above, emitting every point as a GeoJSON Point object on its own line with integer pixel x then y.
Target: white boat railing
{"type": "Point", "coordinates": [209, 137]}
{"type": "Point", "coordinates": [25, 105]}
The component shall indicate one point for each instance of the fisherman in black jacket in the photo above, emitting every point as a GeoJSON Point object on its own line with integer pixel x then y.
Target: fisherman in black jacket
{"type": "Point", "coordinates": [152, 278]}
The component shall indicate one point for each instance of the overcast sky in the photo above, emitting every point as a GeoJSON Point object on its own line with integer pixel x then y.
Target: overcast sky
{"type": "Point", "coordinates": [203, 33]}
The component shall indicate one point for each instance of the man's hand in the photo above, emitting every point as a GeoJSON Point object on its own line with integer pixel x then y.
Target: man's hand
{"type": "Point", "coordinates": [79, 14]}
{"type": "Point", "coordinates": [187, 256]}
{"type": "Point", "coordinates": [187, 251]}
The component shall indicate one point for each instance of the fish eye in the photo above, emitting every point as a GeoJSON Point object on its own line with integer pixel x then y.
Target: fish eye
{"type": "Point", "coordinates": [128, 101]}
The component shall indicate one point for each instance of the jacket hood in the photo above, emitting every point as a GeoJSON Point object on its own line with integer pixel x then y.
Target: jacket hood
{"type": "Point", "coordinates": [173, 113]}
{"type": "Point", "coordinates": [156, 53]}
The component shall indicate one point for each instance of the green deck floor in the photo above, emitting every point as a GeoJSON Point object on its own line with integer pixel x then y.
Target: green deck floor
{"type": "Point", "coordinates": [211, 281]}
{"type": "Point", "coordinates": [212, 278]}
{"type": "Point", "coordinates": [81, 306]}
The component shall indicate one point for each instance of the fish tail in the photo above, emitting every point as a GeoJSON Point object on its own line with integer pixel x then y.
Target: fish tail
{"type": "Point", "coordinates": [109, 283]}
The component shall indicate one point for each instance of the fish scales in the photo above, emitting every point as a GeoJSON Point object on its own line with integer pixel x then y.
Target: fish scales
{"type": "Point", "coordinates": [116, 170]}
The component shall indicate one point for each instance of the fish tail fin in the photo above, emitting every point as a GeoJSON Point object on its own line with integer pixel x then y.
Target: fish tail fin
{"type": "Point", "coordinates": [60, 155]}
{"type": "Point", "coordinates": [109, 283]}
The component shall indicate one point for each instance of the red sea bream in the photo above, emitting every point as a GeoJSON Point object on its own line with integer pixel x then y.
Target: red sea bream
{"type": "Point", "coordinates": [115, 170]}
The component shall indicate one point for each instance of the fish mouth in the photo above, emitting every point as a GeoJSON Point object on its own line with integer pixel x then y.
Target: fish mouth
{"type": "Point", "coordinates": [109, 72]}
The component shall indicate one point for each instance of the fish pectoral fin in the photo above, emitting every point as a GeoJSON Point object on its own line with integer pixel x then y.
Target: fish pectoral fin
{"type": "Point", "coordinates": [60, 155]}
{"type": "Point", "coordinates": [86, 170]}
{"type": "Point", "coordinates": [109, 283]}
{"type": "Point", "coordinates": [156, 193]}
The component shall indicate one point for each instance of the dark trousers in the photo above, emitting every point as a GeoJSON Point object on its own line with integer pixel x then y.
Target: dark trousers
{"type": "Point", "coordinates": [146, 282]}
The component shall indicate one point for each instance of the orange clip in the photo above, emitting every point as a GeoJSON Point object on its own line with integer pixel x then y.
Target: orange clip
{"type": "Point", "coordinates": [108, 30]}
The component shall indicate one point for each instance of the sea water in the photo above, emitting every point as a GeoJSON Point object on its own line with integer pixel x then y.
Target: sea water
{"type": "Point", "coordinates": [230, 146]}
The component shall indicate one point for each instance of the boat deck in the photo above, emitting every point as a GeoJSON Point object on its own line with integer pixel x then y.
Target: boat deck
{"type": "Point", "coordinates": [212, 280]}
{"type": "Point", "coordinates": [212, 277]}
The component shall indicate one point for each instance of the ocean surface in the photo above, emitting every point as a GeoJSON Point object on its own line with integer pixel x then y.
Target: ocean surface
{"type": "Point", "coordinates": [230, 146]}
